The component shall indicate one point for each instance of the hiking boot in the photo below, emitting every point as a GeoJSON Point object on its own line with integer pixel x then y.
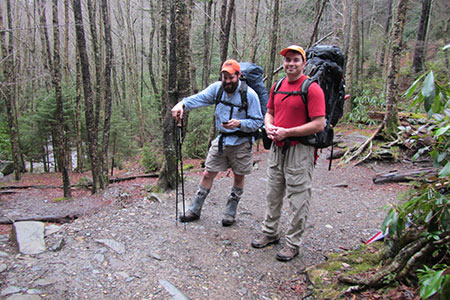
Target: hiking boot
{"type": "Point", "coordinates": [287, 253]}
{"type": "Point", "coordinates": [189, 216]}
{"type": "Point", "coordinates": [227, 220]}
{"type": "Point", "coordinates": [232, 204]}
{"type": "Point", "coordinates": [265, 240]}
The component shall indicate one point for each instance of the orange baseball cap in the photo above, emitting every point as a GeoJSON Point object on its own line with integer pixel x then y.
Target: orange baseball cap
{"type": "Point", "coordinates": [231, 66]}
{"type": "Point", "coordinates": [294, 48]}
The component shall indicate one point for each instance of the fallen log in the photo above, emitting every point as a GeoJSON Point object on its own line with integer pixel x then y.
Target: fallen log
{"type": "Point", "coordinates": [118, 179]}
{"type": "Point", "coordinates": [111, 180]}
{"type": "Point", "coordinates": [7, 192]}
{"type": "Point", "coordinates": [50, 218]}
{"type": "Point", "coordinates": [337, 154]}
{"type": "Point", "coordinates": [397, 176]}
{"type": "Point", "coordinates": [402, 116]}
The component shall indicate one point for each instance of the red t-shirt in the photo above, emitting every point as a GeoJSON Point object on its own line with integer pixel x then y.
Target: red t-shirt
{"type": "Point", "coordinates": [290, 111]}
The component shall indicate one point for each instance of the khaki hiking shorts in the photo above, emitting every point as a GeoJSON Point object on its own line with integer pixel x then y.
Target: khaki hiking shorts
{"type": "Point", "coordinates": [239, 158]}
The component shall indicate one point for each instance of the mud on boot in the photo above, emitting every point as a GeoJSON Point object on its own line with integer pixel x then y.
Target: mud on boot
{"type": "Point", "coordinates": [195, 209]}
{"type": "Point", "coordinates": [232, 203]}
{"type": "Point", "coordinates": [189, 216]}
{"type": "Point", "coordinates": [228, 220]}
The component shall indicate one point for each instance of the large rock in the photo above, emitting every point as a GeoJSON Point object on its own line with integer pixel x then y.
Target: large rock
{"type": "Point", "coordinates": [29, 236]}
{"type": "Point", "coordinates": [6, 167]}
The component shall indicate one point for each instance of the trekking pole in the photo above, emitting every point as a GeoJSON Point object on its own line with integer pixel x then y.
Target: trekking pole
{"type": "Point", "coordinates": [179, 157]}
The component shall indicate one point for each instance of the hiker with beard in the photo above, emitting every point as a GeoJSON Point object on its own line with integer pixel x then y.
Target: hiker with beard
{"type": "Point", "coordinates": [236, 122]}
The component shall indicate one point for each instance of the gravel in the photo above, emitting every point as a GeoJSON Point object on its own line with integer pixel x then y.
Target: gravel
{"type": "Point", "coordinates": [135, 249]}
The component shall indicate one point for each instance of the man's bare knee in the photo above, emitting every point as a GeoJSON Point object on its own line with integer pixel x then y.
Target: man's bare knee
{"type": "Point", "coordinates": [239, 180]}
{"type": "Point", "coordinates": [209, 175]}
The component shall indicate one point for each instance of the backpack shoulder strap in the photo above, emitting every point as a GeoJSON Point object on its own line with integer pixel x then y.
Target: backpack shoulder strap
{"type": "Point", "coordinates": [277, 85]}
{"type": "Point", "coordinates": [304, 93]}
{"type": "Point", "coordinates": [243, 92]}
{"type": "Point", "coordinates": [219, 95]}
{"type": "Point", "coordinates": [304, 89]}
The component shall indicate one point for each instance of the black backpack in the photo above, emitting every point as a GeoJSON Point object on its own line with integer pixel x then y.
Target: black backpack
{"type": "Point", "coordinates": [324, 65]}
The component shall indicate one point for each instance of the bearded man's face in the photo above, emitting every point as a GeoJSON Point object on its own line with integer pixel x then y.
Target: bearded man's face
{"type": "Point", "coordinates": [230, 82]}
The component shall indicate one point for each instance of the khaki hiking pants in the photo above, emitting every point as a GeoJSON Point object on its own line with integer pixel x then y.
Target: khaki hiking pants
{"type": "Point", "coordinates": [289, 175]}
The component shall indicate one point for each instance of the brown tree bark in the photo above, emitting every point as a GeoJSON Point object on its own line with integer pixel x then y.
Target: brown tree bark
{"type": "Point", "coordinates": [97, 178]}
{"type": "Point", "coordinates": [226, 18]}
{"type": "Point", "coordinates": [352, 60]}
{"type": "Point", "coordinates": [207, 5]}
{"type": "Point", "coordinates": [182, 31]}
{"type": "Point", "coordinates": [78, 87]}
{"type": "Point", "coordinates": [92, 14]}
{"type": "Point", "coordinates": [168, 175]}
{"type": "Point", "coordinates": [234, 49]}
{"type": "Point", "coordinates": [314, 35]}
{"type": "Point", "coordinates": [387, 29]}
{"type": "Point", "coordinates": [346, 20]}
{"type": "Point", "coordinates": [253, 44]}
{"type": "Point", "coordinates": [66, 40]}
{"type": "Point", "coordinates": [392, 94]}
{"type": "Point", "coordinates": [107, 85]}
{"type": "Point", "coordinates": [59, 111]}
{"type": "Point", "coordinates": [270, 66]}
{"type": "Point", "coordinates": [48, 63]}
{"type": "Point", "coordinates": [164, 57]}
{"type": "Point", "coordinates": [8, 93]}
{"type": "Point", "coordinates": [419, 53]}
{"type": "Point", "coordinates": [150, 48]}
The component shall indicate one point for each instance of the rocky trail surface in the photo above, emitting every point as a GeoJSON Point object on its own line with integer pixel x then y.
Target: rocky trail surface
{"type": "Point", "coordinates": [127, 244]}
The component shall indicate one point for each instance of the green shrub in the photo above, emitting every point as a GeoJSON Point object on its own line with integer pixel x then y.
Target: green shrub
{"type": "Point", "coordinates": [195, 144]}
{"type": "Point", "coordinates": [5, 145]}
{"type": "Point", "coordinates": [362, 105]}
{"type": "Point", "coordinates": [426, 206]}
{"type": "Point", "coordinates": [151, 160]}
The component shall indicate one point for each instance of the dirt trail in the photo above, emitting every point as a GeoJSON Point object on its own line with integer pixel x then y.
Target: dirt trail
{"type": "Point", "coordinates": [201, 260]}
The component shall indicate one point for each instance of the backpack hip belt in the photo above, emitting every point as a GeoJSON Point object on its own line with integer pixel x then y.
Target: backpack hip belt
{"type": "Point", "coordinates": [235, 133]}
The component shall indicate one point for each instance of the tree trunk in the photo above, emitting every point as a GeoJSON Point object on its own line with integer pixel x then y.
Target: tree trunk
{"type": "Point", "coordinates": [150, 48]}
{"type": "Point", "coordinates": [392, 94]}
{"type": "Point", "coordinates": [49, 63]}
{"type": "Point", "coordinates": [225, 28]}
{"type": "Point", "coordinates": [254, 29]}
{"type": "Point", "coordinates": [92, 13]}
{"type": "Point", "coordinates": [346, 20]}
{"type": "Point", "coordinates": [8, 93]}
{"type": "Point", "coordinates": [167, 177]}
{"type": "Point", "coordinates": [164, 58]}
{"type": "Point", "coordinates": [234, 50]}
{"type": "Point", "coordinates": [66, 40]}
{"type": "Point", "coordinates": [273, 44]}
{"type": "Point", "coordinates": [59, 111]}
{"type": "Point", "coordinates": [386, 32]}
{"type": "Point", "coordinates": [207, 41]}
{"type": "Point", "coordinates": [319, 12]}
{"type": "Point", "coordinates": [352, 58]}
{"type": "Point", "coordinates": [97, 178]}
{"type": "Point", "coordinates": [107, 85]}
{"type": "Point", "coordinates": [419, 53]}
{"type": "Point", "coordinates": [192, 66]}
{"type": "Point", "coordinates": [182, 21]}
{"type": "Point", "coordinates": [78, 87]}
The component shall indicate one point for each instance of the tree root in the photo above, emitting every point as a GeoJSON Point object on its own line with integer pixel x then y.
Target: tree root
{"type": "Point", "coordinates": [362, 147]}
{"type": "Point", "coordinates": [415, 258]}
{"type": "Point", "coordinates": [407, 255]}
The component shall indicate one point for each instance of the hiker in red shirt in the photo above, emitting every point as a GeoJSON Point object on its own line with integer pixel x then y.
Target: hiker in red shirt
{"type": "Point", "coordinates": [290, 163]}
